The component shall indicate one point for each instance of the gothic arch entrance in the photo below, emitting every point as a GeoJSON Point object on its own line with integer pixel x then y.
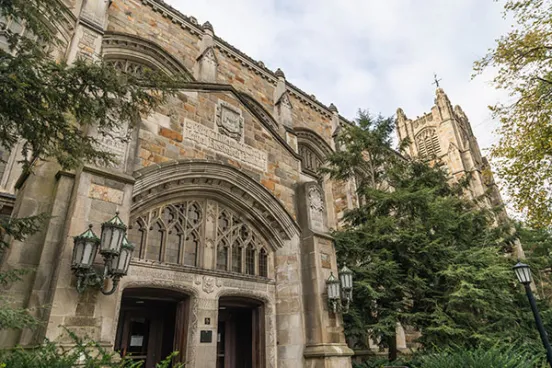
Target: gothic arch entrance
{"type": "Point", "coordinates": [153, 323]}
{"type": "Point", "coordinates": [241, 333]}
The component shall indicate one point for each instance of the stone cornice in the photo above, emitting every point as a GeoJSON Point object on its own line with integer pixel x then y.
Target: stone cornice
{"type": "Point", "coordinates": [258, 67]}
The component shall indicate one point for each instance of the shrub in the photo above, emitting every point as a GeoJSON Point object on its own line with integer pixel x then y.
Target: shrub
{"type": "Point", "coordinates": [82, 354]}
{"type": "Point", "coordinates": [494, 357]}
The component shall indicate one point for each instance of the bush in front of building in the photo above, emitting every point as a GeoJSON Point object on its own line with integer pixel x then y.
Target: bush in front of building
{"type": "Point", "coordinates": [82, 353]}
{"type": "Point", "coordinates": [501, 356]}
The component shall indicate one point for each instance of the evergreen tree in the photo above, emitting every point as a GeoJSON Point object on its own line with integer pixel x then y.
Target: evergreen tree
{"type": "Point", "coordinates": [422, 254]}
{"type": "Point", "coordinates": [51, 107]}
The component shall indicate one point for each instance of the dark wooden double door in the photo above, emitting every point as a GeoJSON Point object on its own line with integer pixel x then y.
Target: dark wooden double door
{"type": "Point", "coordinates": [152, 325]}
{"type": "Point", "coordinates": [240, 335]}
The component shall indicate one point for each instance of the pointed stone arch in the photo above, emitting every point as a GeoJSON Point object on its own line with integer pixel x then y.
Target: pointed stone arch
{"type": "Point", "coordinates": [209, 179]}
{"type": "Point", "coordinates": [118, 47]}
{"type": "Point", "coordinates": [313, 150]}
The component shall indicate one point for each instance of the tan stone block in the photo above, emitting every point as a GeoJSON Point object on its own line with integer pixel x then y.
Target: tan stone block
{"type": "Point", "coordinates": [106, 194]}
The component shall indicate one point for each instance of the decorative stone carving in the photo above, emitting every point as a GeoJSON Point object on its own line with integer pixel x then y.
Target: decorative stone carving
{"type": "Point", "coordinates": [284, 100]}
{"type": "Point", "coordinates": [115, 141]}
{"type": "Point", "coordinates": [224, 145]}
{"type": "Point", "coordinates": [229, 120]}
{"type": "Point", "coordinates": [209, 284]}
{"type": "Point", "coordinates": [315, 207]}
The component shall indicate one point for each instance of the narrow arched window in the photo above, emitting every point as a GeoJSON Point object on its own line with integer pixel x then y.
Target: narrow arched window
{"type": "Point", "coordinates": [250, 259]}
{"type": "Point", "coordinates": [222, 257]}
{"type": "Point", "coordinates": [263, 263]}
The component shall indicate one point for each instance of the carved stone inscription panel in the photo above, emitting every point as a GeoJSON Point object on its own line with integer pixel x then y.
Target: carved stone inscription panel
{"type": "Point", "coordinates": [225, 145]}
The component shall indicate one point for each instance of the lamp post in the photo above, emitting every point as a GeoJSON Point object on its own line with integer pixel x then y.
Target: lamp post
{"type": "Point", "coordinates": [115, 250]}
{"type": "Point", "coordinates": [523, 273]}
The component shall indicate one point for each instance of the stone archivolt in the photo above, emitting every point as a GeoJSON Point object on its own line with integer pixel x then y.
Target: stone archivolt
{"type": "Point", "coordinates": [211, 179]}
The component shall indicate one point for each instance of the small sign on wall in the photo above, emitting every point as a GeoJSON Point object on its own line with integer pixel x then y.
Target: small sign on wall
{"type": "Point", "coordinates": [206, 336]}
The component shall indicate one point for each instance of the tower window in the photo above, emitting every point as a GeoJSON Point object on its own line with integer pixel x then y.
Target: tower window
{"type": "Point", "coordinates": [427, 142]}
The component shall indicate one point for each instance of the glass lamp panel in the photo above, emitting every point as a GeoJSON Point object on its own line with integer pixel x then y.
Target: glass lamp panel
{"type": "Point", "coordinates": [78, 250]}
{"type": "Point", "coordinates": [523, 273]}
{"type": "Point", "coordinates": [89, 253]}
{"type": "Point", "coordinates": [106, 239]}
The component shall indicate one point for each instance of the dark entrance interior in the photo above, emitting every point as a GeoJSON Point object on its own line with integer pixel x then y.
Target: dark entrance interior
{"type": "Point", "coordinates": [152, 324]}
{"type": "Point", "coordinates": [240, 339]}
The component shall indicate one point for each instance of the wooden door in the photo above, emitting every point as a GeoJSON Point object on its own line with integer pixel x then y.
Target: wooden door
{"type": "Point", "coordinates": [141, 337]}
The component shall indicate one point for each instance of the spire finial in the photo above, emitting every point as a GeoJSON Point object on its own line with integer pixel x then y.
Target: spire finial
{"type": "Point", "coordinates": [436, 81]}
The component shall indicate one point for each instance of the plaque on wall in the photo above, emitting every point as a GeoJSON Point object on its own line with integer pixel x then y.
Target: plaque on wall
{"type": "Point", "coordinates": [206, 336]}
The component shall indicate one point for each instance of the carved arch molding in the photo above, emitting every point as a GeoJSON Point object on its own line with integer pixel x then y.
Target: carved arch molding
{"type": "Point", "coordinates": [131, 53]}
{"type": "Point", "coordinates": [313, 150]}
{"type": "Point", "coordinates": [208, 179]}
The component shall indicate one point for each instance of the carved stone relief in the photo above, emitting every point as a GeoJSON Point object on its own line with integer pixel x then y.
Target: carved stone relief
{"type": "Point", "coordinates": [229, 120]}
{"type": "Point", "coordinates": [316, 208]}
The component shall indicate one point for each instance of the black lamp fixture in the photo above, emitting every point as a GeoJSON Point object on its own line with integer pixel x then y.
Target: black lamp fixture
{"type": "Point", "coordinates": [115, 249]}
{"type": "Point", "coordinates": [340, 291]}
{"type": "Point", "coordinates": [523, 273]}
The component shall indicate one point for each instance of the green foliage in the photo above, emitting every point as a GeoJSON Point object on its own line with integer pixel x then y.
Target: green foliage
{"type": "Point", "coordinates": [524, 63]}
{"type": "Point", "coordinates": [86, 354]}
{"type": "Point", "coordinates": [421, 253]}
{"type": "Point", "coordinates": [55, 108]}
{"type": "Point", "coordinates": [496, 356]}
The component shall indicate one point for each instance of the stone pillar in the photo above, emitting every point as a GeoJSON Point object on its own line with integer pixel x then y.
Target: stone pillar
{"type": "Point", "coordinates": [205, 68]}
{"type": "Point", "coordinates": [325, 345]}
{"type": "Point", "coordinates": [282, 103]}
{"type": "Point", "coordinates": [89, 30]}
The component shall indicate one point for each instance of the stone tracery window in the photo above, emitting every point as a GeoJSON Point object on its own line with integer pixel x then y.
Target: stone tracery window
{"type": "Point", "coordinates": [129, 66]}
{"type": "Point", "coordinates": [310, 160]}
{"type": "Point", "coordinates": [169, 234]}
{"type": "Point", "coordinates": [175, 233]}
{"type": "Point", "coordinates": [428, 143]}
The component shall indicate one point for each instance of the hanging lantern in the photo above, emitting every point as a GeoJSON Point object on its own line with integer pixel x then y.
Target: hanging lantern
{"type": "Point", "coordinates": [119, 264]}
{"type": "Point", "coordinates": [113, 232]}
{"type": "Point", "coordinates": [346, 278]}
{"type": "Point", "coordinates": [85, 250]}
{"type": "Point", "coordinates": [332, 285]}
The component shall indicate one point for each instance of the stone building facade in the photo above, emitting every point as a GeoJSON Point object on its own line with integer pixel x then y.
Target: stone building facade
{"type": "Point", "coordinates": [219, 186]}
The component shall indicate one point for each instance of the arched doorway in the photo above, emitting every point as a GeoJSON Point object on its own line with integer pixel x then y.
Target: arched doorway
{"type": "Point", "coordinates": [152, 325]}
{"type": "Point", "coordinates": [241, 333]}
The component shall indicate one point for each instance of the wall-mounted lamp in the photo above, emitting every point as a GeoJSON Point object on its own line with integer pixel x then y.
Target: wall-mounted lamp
{"type": "Point", "coordinates": [115, 249]}
{"type": "Point", "coordinates": [340, 292]}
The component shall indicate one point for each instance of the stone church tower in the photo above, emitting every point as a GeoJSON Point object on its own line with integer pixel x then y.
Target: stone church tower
{"type": "Point", "coordinates": [445, 135]}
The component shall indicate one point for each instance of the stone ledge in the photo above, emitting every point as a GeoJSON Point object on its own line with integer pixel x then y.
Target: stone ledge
{"type": "Point", "coordinates": [110, 174]}
{"type": "Point", "coordinates": [201, 271]}
{"type": "Point", "coordinates": [327, 350]}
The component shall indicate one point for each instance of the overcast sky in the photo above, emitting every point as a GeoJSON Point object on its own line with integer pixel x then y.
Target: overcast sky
{"type": "Point", "coordinates": [371, 54]}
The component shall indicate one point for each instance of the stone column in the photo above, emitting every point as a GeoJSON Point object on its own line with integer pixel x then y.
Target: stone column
{"type": "Point", "coordinates": [89, 30]}
{"type": "Point", "coordinates": [325, 346]}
